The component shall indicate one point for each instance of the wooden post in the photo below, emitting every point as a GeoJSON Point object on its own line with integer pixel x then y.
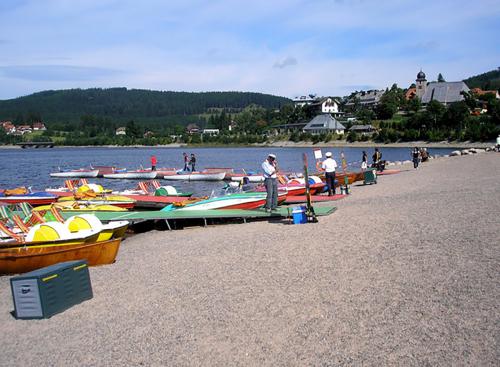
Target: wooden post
{"type": "Point", "coordinates": [311, 216]}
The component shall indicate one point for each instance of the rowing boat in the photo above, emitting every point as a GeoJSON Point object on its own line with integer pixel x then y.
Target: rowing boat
{"type": "Point", "coordinates": [77, 173]}
{"type": "Point", "coordinates": [22, 259]}
{"type": "Point", "coordinates": [195, 176]}
{"type": "Point", "coordinates": [137, 174]}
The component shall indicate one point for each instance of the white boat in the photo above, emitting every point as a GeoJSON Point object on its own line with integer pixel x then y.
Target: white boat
{"type": "Point", "coordinates": [139, 174]}
{"type": "Point", "coordinates": [195, 176]}
{"type": "Point", "coordinates": [85, 173]}
{"type": "Point", "coordinates": [251, 178]}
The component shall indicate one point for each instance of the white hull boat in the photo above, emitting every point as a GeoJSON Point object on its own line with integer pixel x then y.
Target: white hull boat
{"type": "Point", "coordinates": [140, 175]}
{"type": "Point", "coordinates": [196, 176]}
{"type": "Point", "coordinates": [77, 173]}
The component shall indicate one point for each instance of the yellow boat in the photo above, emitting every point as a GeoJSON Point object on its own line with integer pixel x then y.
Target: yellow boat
{"type": "Point", "coordinates": [68, 206]}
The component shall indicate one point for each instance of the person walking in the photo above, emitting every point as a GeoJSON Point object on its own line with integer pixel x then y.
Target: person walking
{"type": "Point", "coordinates": [192, 161]}
{"type": "Point", "coordinates": [186, 161]}
{"type": "Point", "coordinates": [415, 154]}
{"type": "Point", "coordinates": [364, 161]}
{"type": "Point", "coordinates": [153, 163]}
{"type": "Point", "coordinates": [270, 182]}
{"type": "Point", "coordinates": [329, 165]}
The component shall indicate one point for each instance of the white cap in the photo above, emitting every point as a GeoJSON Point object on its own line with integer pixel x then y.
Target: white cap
{"type": "Point", "coordinates": [328, 154]}
{"type": "Point", "coordinates": [272, 156]}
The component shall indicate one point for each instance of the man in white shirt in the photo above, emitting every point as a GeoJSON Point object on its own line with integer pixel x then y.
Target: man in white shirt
{"type": "Point", "coordinates": [270, 181]}
{"type": "Point", "coordinates": [329, 165]}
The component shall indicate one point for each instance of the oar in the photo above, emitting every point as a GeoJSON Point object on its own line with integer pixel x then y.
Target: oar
{"type": "Point", "coordinates": [311, 216]}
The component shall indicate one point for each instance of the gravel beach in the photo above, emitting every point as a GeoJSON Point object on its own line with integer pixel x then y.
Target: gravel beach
{"type": "Point", "coordinates": [405, 272]}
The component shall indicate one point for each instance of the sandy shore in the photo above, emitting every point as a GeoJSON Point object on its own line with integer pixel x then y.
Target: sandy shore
{"type": "Point", "coordinates": [404, 273]}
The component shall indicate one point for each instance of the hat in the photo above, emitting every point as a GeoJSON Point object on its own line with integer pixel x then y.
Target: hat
{"type": "Point", "coordinates": [272, 156]}
{"type": "Point", "coordinates": [328, 154]}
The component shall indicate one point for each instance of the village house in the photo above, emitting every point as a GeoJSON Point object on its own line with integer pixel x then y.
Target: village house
{"type": "Point", "coordinates": [23, 129]}
{"type": "Point", "coordinates": [192, 129]}
{"type": "Point", "coordinates": [211, 132]}
{"type": "Point", "coordinates": [327, 105]}
{"type": "Point", "coordinates": [39, 126]}
{"type": "Point", "coordinates": [304, 100]}
{"type": "Point", "coordinates": [324, 124]}
{"type": "Point", "coordinates": [8, 127]}
{"type": "Point", "coordinates": [121, 131]}
{"type": "Point", "coordinates": [479, 93]}
{"type": "Point", "coordinates": [368, 99]}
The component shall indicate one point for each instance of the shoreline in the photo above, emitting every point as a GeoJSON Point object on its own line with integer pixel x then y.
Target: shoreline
{"type": "Point", "coordinates": [403, 273]}
{"type": "Point", "coordinates": [287, 144]}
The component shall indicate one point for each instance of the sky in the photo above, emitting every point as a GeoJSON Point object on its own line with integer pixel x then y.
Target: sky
{"type": "Point", "coordinates": [286, 48]}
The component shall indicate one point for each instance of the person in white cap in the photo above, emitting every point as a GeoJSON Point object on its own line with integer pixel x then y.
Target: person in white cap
{"type": "Point", "coordinates": [271, 182]}
{"type": "Point", "coordinates": [329, 165]}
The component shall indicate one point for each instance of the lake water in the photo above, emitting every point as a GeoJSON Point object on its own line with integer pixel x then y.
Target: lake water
{"type": "Point", "coordinates": [31, 167]}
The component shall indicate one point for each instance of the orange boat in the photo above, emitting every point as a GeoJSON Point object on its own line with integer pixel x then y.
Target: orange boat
{"type": "Point", "coordinates": [21, 259]}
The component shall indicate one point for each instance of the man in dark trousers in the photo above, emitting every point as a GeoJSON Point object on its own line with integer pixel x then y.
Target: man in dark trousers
{"type": "Point", "coordinates": [271, 182]}
{"type": "Point", "coordinates": [192, 161]}
{"type": "Point", "coordinates": [329, 165]}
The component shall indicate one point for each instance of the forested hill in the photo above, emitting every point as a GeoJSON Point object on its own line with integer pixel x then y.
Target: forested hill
{"type": "Point", "coordinates": [125, 104]}
{"type": "Point", "coordinates": [485, 81]}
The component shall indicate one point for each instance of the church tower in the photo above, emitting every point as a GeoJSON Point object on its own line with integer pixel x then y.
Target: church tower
{"type": "Point", "coordinates": [421, 84]}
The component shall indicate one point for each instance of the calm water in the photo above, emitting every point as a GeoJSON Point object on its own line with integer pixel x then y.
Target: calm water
{"type": "Point", "coordinates": [31, 167]}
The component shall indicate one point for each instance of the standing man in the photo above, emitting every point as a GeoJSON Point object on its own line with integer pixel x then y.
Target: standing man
{"type": "Point", "coordinates": [415, 155]}
{"type": "Point", "coordinates": [193, 162]}
{"type": "Point", "coordinates": [364, 161]}
{"type": "Point", "coordinates": [153, 163]}
{"type": "Point", "coordinates": [186, 161]}
{"type": "Point", "coordinates": [329, 165]}
{"type": "Point", "coordinates": [271, 182]}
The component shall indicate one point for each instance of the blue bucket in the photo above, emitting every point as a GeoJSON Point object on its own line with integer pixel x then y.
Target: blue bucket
{"type": "Point", "coordinates": [299, 215]}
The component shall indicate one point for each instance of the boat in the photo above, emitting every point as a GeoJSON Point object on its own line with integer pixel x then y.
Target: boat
{"type": "Point", "coordinates": [22, 195]}
{"type": "Point", "coordinates": [80, 206]}
{"type": "Point", "coordinates": [77, 173]}
{"type": "Point", "coordinates": [241, 200]}
{"type": "Point", "coordinates": [103, 170]}
{"type": "Point", "coordinates": [22, 259]}
{"type": "Point", "coordinates": [116, 200]}
{"type": "Point", "coordinates": [195, 176]}
{"type": "Point", "coordinates": [388, 172]}
{"type": "Point", "coordinates": [141, 174]}
{"type": "Point", "coordinates": [253, 178]}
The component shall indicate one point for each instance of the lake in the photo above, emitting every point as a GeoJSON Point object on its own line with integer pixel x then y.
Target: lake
{"type": "Point", "coordinates": [31, 167]}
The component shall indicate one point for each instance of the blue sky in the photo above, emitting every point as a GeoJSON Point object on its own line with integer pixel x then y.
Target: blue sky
{"type": "Point", "coordinates": [287, 48]}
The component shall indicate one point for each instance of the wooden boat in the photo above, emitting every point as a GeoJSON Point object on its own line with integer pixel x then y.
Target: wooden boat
{"type": "Point", "coordinates": [22, 259]}
{"type": "Point", "coordinates": [137, 174]}
{"type": "Point", "coordinates": [103, 170]}
{"type": "Point", "coordinates": [82, 172]}
{"type": "Point", "coordinates": [340, 177]}
{"type": "Point", "coordinates": [243, 200]}
{"type": "Point", "coordinates": [195, 176]}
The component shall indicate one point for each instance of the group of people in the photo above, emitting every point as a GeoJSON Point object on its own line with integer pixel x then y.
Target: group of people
{"type": "Point", "coordinates": [189, 161]}
{"type": "Point", "coordinates": [419, 155]}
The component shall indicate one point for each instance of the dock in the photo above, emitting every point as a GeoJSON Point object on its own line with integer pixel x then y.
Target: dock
{"type": "Point", "coordinates": [205, 215]}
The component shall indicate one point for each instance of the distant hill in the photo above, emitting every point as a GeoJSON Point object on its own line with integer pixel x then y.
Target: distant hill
{"type": "Point", "coordinates": [485, 81]}
{"type": "Point", "coordinates": [122, 104]}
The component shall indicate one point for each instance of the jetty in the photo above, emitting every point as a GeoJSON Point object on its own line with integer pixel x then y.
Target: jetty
{"type": "Point", "coordinates": [34, 144]}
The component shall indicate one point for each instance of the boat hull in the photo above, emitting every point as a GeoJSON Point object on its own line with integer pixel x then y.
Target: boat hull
{"type": "Point", "coordinates": [25, 259]}
{"type": "Point", "coordinates": [196, 176]}
{"type": "Point", "coordinates": [149, 175]}
{"type": "Point", "coordinates": [76, 174]}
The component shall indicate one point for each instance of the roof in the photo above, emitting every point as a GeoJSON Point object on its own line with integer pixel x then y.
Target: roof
{"type": "Point", "coordinates": [445, 92]}
{"type": "Point", "coordinates": [324, 122]}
